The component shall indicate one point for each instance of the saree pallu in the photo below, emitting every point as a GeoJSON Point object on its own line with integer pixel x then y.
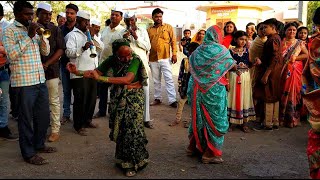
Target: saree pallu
{"type": "Point", "coordinates": [127, 129]}
{"type": "Point", "coordinates": [311, 99]}
{"type": "Point", "coordinates": [240, 100]}
{"type": "Point", "coordinates": [291, 94]}
{"type": "Point", "coordinates": [209, 116]}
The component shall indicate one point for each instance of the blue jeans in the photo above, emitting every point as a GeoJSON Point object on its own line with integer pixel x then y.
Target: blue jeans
{"type": "Point", "coordinates": [33, 119]}
{"type": "Point", "coordinates": [66, 86]}
{"type": "Point", "coordinates": [4, 98]}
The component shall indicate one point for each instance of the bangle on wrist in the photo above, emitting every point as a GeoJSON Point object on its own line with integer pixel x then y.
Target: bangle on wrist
{"type": "Point", "coordinates": [80, 73]}
{"type": "Point", "coordinates": [103, 79]}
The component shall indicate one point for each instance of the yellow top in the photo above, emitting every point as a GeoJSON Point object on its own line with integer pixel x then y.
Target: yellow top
{"type": "Point", "coordinates": [161, 38]}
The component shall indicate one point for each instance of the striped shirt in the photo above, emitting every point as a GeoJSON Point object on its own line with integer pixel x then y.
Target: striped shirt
{"type": "Point", "coordinates": [24, 55]}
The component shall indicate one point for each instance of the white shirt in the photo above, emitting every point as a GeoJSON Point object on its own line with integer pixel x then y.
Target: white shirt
{"type": "Point", "coordinates": [99, 46]}
{"type": "Point", "coordinates": [108, 36]}
{"type": "Point", "coordinates": [75, 40]}
{"type": "Point", "coordinates": [141, 46]}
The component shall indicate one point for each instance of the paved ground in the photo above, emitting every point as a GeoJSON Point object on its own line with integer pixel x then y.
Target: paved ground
{"type": "Point", "coordinates": [277, 154]}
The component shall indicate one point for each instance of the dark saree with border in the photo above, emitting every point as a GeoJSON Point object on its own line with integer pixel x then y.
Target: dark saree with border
{"type": "Point", "coordinates": [126, 116]}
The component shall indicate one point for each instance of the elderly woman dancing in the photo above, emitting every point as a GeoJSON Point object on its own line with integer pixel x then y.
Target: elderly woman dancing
{"type": "Point", "coordinates": [125, 70]}
{"type": "Point", "coordinates": [208, 96]}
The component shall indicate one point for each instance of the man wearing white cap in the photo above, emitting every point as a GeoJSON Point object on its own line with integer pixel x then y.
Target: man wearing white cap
{"type": "Point", "coordinates": [140, 44]}
{"type": "Point", "coordinates": [61, 19]}
{"type": "Point", "coordinates": [110, 33]}
{"type": "Point", "coordinates": [84, 89]}
{"type": "Point", "coordinates": [51, 66]}
{"type": "Point", "coordinates": [94, 30]}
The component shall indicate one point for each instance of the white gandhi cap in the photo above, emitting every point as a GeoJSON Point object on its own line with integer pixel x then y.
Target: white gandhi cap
{"type": "Point", "coordinates": [129, 15]}
{"type": "Point", "coordinates": [84, 14]}
{"type": "Point", "coordinates": [62, 14]}
{"type": "Point", "coordinates": [45, 6]}
{"type": "Point", "coordinates": [116, 8]}
{"type": "Point", "coordinates": [95, 22]}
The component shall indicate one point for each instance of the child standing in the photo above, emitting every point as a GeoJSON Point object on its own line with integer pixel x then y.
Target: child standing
{"type": "Point", "coordinates": [268, 87]}
{"type": "Point", "coordinates": [240, 101]}
{"type": "Point", "coordinates": [302, 34]}
{"type": "Point", "coordinates": [183, 81]}
{"type": "Point", "coordinates": [185, 41]}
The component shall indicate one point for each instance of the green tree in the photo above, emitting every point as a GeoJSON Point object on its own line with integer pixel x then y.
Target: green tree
{"type": "Point", "coordinates": [312, 6]}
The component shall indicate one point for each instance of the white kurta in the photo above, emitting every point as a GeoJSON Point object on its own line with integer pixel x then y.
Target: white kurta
{"type": "Point", "coordinates": [141, 46]}
{"type": "Point", "coordinates": [108, 36]}
{"type": "Point", "coordinates": [75, 40]}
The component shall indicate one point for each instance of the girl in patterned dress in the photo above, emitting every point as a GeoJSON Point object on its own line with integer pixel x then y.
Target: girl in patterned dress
{"type": "Point", "coordinates": [240, 101]}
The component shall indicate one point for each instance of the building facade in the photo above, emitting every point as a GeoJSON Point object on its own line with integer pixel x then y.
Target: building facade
{"type": "Point", "coordinates": [218, 13]}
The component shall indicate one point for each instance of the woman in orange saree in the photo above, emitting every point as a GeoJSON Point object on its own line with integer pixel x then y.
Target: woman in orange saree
{"type": "Point", "coordinates": [294, 53]}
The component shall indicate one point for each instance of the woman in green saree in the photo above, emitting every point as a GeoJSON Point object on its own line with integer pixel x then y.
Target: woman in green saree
{"type": "Point", "coordinates": [207, 94]}
{"type": "Point", "coordinates": [125, 71]}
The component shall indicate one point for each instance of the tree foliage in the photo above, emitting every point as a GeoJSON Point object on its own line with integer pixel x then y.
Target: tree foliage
{"type": "Point", "coordinates": [312, 6]}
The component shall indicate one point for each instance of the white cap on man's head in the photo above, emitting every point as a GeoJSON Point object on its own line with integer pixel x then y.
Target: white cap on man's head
{"type": "Point", "coordinates": [45, 6]}
{"type": "Point", "coordinates": [116, 8]}
{"type": "Point", "coordinates": [83, 14]}
{"type": "Point", "coordinates": [63, 14]}
{"type": "Point", "coordinates": [95, 22]}
{"type": "Point", "coordinates": [129, 14]}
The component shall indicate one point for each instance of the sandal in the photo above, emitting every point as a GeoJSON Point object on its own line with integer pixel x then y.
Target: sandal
{"type": "Point", "coordinates": [130, 173]}
{"type": "Point", "coordinates": [47, 149]}
{"type": "Point", "coordinates": [214, 160]}
{"type": "Point", "coordinates": [82, 132]}
{"type": "Point", "coordinates": [36, 160]}
{"type": "Point", "coordinates": [190, 152]}
{"type": "Point", "coordinates": [246, 129]}
{"type": "Point", "coordinates": [173, 123]}
{"type": "Point", "coordinates": [186, 125]}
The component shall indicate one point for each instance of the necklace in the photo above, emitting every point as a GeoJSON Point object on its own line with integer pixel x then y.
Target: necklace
{"type": "Point", "coordinates": [239, 51]}
{"type": "Point", "coordinates": [288, 42]}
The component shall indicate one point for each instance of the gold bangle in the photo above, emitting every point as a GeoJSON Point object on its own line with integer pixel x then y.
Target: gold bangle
{"type": "Point", "coordinates": [103, 79]}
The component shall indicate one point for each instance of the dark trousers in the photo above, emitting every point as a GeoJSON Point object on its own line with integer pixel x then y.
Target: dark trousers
{"type": "Point", "coordinates": [33, 118]}
{"type": "Point", "coordinates": [85, 94]}
{"type": "Point", "coordinates": [103, 97]}
{"type": "Point", "coordinates": [13, 100]}
{"type": "Point", "coordinates": [66, 87]}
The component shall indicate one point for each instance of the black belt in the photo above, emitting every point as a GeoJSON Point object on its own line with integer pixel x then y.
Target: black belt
{"type": "Point", "coordinates": [4, 67]}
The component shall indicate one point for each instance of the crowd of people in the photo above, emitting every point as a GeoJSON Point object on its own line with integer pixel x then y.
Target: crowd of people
{"type": "Point", "coordinates": [268, 74]}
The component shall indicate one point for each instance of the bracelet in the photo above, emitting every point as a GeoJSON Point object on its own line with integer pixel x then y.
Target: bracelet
{"type": "Point", "coordinates": [103, 79]}
{"type": "Point", "coordinates": [80, 73]}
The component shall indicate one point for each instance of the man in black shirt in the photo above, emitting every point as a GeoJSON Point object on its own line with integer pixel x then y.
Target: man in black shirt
{"type": "Point", "coordinates": [71, 14]}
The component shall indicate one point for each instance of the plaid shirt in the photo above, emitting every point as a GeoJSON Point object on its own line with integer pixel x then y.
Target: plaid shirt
{"type": "Point", "coordinates": [24, 55]}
